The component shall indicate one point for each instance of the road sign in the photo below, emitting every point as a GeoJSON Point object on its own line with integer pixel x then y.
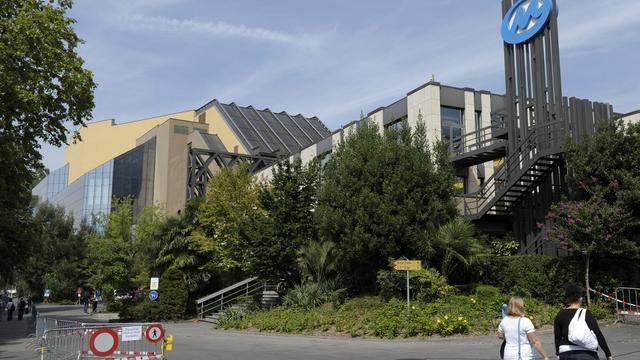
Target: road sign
{"type": "Point", "coordinates": [154, 283]}
{"type": "Point", "coordinates": [47, 293]}
{"type": "Point", "coordinates": [103, 342]}
{"type": "Point", "coordinates": [154, 333]}
{"type": "Point", "coordinates": [407, 265]}
{"type": "Point", "coordinates": [153, 295]}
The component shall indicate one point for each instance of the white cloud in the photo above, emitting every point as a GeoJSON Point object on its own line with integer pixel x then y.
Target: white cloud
{"type": "Point", "coordinates": [217, 29]}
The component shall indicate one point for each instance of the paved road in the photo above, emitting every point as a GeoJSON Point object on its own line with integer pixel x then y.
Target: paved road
{"type": "Point", "coordinates": [196, 341]}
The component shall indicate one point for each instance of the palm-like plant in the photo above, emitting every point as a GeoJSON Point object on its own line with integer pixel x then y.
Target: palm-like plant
{"type": "Point", "coordinates": [317, 261]}
{"type": "Point", "coordinates": [455, 243]}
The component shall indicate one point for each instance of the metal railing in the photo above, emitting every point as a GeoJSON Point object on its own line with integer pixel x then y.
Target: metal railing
{"type": "Point", "coordinates": [220, 299]}
{"type": "Point", "coordinates": [543, 140]}
{"type": "Point", "coordinates": [74, 343]}
{"type": "Point", "coordinates": [627, 302]}
{"type": "Point", "coordinates": [474, 140]}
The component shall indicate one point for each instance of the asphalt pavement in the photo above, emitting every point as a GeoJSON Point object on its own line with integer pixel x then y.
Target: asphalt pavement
{"type": "Point", "coordinates": [194, 340]}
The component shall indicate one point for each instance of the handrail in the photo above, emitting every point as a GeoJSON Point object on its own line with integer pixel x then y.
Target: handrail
{"type": "Point", "coordinates": [227, 289]}
{"type": "Point", "coordinates": [530, 149]}
{"type": "Point", "coordinates": [474, 140]}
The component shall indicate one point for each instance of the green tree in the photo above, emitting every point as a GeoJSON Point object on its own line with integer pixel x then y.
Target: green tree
{"type": "Point", "coordinates": [110, 250]}
{"type": "Point", "coordinates": [232, 199]}
{"type": "Point", "coordinates": [455, 248]}
{"type": "Point", "coordinates": [288, 221]}
{"type": "Point", "coordinates": [317, 261]}
{"type": "Point", "coordinates": [146, 246]}
{"type": "Point", "coordinates": [57, 256]}
{"type": "Point", "coordinates": [43, 88]}
{"type": "Point", "coordinates": [382, 197]}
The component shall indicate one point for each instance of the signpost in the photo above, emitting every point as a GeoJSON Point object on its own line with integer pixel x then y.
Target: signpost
{"type": "Point", "coordinates": [154, 333]}
{"type": "Point", "coordinates": [103, 342]}
{"type": "Point", "coordinates": [407, 265]}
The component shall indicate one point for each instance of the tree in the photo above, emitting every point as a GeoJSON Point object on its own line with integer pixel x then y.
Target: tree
{"type": "Point", "coordinates": [146, 246]}
{"type": "Point", "coordinates": [382, 197]}
{"type": "Point", "coordinates": [232, 199]}
{"type": "Point", "coordinates": [455, 247]}
{"type": "Point", "coordinates": [56, 259]}
{"type": "Point", "coordinates": [317, 261]}
{"type": "Point", "coordinates": [288, 221]}
{"type": "Point", "coordinates": [590, 226]}
{"type": "Point", "coordinates": [43, 88]}
{"type": "Point", "coordinates": [602, 214]}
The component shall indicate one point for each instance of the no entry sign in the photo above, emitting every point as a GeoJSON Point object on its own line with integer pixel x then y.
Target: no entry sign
{"type": "Point", "coordinates": [103, 342]}
{"type": "Point", "coordinates": [154, 333]}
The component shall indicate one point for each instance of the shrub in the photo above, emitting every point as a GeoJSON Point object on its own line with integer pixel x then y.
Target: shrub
{"type": "Point", "coordinates": [171, 303]}
{"type": "Point", "coordinates": [427, 285]}
{"type": "Point", "coordinates": [310, 295]}
{"type": "Point", "coordinates": [601, 310]}
{"type": "Point", "coordinates": [487, 292]}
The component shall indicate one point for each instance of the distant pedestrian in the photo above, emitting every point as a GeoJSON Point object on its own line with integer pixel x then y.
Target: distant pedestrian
{"type": "Point", "coordinates": [94, 304]}
{"type": "Point", "coordinates": [21, 306]}
{"type": "Point", "coordinates": [574, 313]}
{"type": "Point", "coordinates": [26, 310]}
{"type": "Point", "coordinates": [10, 309]}
{"type": "Point", "coordinates": [85, 303]}
{"type": "Point", "coordinates": [519, 333]}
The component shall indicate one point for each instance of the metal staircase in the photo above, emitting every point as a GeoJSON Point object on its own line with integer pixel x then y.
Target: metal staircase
{"type": "Point", "coordinates": [478, 146]}
{"type": "Point", "coordinates": [536, 156]}
{"type": "Point", "coordinates": [210, 306]}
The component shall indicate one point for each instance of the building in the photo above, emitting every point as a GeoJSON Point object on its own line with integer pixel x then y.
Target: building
{"type": "Point", "coordinates": [150, 160]}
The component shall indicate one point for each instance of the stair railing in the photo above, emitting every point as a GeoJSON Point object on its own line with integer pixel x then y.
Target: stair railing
{"type": "Point", "coordinates": [541, 140]}
{"type": "Point", "coordinates": [473, 141]}
{"type": "Point", "coordinates": [220, 299]}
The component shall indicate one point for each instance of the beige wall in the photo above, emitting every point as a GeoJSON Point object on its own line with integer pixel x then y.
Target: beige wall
{"type": "Point", "coordinates": [104, 140]}
{"type": "Point", "coordinates": [219, 126]}
{"type": "Point", "coordinates": [378, 119]}
{"type": "Point", "coordinates": [631, 119]}
{"type": "Point", "coordinates": [425, 102]}
{"type": "Point", "coordinates": [170, 182]}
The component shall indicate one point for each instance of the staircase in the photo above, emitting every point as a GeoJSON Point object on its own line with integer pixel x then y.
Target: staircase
{"type": "Point", "coordinates": [537, 155]}
{"type": "Point", "coordinates": [210, 306]}
{"type": "Point", "coordinates": [478, 146]}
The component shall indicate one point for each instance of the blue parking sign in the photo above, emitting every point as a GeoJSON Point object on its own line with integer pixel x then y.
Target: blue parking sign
{"type": "Point", "coordinates": [153, 295]}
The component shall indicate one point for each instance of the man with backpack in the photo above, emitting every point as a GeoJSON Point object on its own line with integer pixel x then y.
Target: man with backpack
{"type": "Point", "coordinates": [577, 335]}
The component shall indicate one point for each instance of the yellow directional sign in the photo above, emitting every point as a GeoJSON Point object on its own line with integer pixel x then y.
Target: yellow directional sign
{"type": "Point", "coordinates": [406, 265]}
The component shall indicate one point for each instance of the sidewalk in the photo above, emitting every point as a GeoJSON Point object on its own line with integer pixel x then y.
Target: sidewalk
{"type": "Point", "coordinates": [13, 337]}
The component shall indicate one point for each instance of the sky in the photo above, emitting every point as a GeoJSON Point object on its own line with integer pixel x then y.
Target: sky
{"type": "Point", "coordinates": [331, 59]}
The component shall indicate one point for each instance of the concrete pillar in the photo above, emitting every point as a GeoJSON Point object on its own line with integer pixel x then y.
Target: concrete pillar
{"type": "Point", "coordinates": [425, 102]}
{"type": "Point", "coordinates": [378, 119]}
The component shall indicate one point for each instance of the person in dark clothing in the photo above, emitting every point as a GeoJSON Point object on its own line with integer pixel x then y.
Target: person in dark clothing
{"type": "Point", "coordinates": [21, 305]}
{"type": "Point", "coordinates": [564, 348]}
{"type": "Point", "coordinates": [10, 309]}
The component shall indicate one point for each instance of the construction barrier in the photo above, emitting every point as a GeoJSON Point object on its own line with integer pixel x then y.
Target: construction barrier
{"type": "Point", "coordinates": [626, 299]}
{"type": "Point", "coordinates": [139, 341]}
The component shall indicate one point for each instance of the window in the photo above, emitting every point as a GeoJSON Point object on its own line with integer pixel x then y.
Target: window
{"type": "Point", "coordinates": [202, 118]}
{"type": "Point", "coordinates": [451, 124]}
{"type": "Point", "coordinates": [460, 184]}
{"type": "Point", "coordinates": [478, 120]}
{"type": "Point", "coordinates": [397, 125]}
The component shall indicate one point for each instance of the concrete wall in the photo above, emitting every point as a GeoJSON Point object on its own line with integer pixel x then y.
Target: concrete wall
{"type": "Point", "coordinates": [425, 102]}
{"type": "Point", "coordinates": [378, 119]}
{"type": "Point", "coordinates": [632, 118]}
{"type": "Point", "coordinates": [104, 140]}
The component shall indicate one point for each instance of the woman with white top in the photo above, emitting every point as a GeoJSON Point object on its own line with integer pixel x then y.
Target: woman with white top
{"type": "Point", "coordinates": [519, 333]}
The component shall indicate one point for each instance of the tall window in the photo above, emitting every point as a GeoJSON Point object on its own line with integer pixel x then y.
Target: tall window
{"type": "Point", "coordinates": [478, 120]}
{"type": "Point", "coordinates": [451, 123]}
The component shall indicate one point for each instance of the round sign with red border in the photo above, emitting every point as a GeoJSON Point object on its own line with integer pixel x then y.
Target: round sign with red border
{"type": "Point", "coordinates": [103, 342]}
{"type": "Point", "coordinates": [154, 333]}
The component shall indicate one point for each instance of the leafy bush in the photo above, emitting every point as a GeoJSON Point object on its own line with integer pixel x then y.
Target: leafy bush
{"type": "Point", "coordinates": [372, 316]}
{"type": "Point", "coordinates": [487, 291]}
{"type": "Point", "coordinates": [171, 303]}
{"type": "Point", "coordinates": [427, 285]}
{"type": "Point", "coordinates": [312, 295]}
{"type": "Point", "coordinates": [601, 310]}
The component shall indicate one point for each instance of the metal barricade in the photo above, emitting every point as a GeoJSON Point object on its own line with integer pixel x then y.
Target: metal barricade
{"type": "Point", "coordinates": [627, 302]}
{"type": "Point", "coordinates": [141, 341]}
{"type": "Point", "coordinates": [46, 323]}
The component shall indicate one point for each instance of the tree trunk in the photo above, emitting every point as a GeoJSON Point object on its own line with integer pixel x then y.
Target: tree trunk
{"type": "Point", "coordinates": [586, 280]}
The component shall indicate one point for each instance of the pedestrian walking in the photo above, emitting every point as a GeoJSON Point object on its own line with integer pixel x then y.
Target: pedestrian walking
{"type": "Point", "coordinates": [26, 310]}
{"type": "Point", "coordinates": [94, 304]}
{"type": "Point", "coordinates": [576, 331]}
{"type": "Point", "coordinates": [85, 303]}
{"type": "Point", "coordinates": [21, 305]}
{"type": "Point", "coordinates": [519, 333]}
{"type": "Point", "coordinates": [10, 309]}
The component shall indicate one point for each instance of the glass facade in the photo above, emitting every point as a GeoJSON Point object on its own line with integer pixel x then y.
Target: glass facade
{"type": "Point", "coordinates": [451, 123]}
{"type": "Point", "coordinates": [133, 174]}
{"type": "Point", "coordinates": [97, 191]}
{"type": "Point", "coordinates": [57, 181]}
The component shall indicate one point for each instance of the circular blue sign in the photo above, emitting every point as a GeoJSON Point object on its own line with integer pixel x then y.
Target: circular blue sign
{"type": "Point", "coordinates": [525, 19]}
{"type": "Point", "coordinates": [153, 295]}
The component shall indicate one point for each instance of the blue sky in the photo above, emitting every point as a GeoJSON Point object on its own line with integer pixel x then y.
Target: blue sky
{"type": "Point", "coordinates": [330, 58]}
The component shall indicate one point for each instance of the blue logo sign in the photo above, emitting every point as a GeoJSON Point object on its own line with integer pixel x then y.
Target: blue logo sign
{"type": "Point", "coordinates": [525, 19]}
{"type": "Point", "coordinates": [153, 295]}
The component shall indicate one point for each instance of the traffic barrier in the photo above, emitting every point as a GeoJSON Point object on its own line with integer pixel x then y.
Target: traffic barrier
{"type": "Point", "coordinates": [140, 341]}
{"type": "Point", "coordinates": [626, 300]}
